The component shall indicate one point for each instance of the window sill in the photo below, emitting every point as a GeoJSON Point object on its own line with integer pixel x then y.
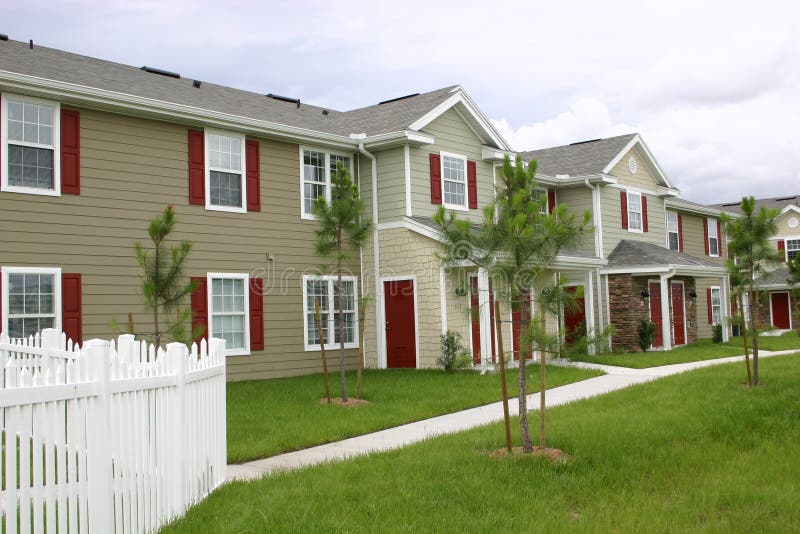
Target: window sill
{"type": "Point", "coordinates": [229, 209]}
{"type": "Point", "coordinates": [30, 191]}
{"type": "Point", "coordinates": [308, 217]}
{"type": "Point", "coordinates": [455, 207]}
{"type": "Point", "coordinates": [635, 231]}
{"type": "Point", "coordinates": [330, 346]}
{"type": "Point", "coordinates": [237, 352]}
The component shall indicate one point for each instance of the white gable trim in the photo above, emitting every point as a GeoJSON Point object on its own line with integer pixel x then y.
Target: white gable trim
{"type": "Point", "coordinates": [460, 97]}
{"type": "Point", "coordinates": [637, 140]}
{"type": "Point", "coordinates": [790, 207]}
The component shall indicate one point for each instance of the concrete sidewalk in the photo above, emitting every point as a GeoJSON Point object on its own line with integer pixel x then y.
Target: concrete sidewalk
{"type": "Point", "coordinates": [393, 438]}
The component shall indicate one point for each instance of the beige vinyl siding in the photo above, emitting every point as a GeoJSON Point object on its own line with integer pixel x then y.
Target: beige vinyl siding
{"type": "Point", "coordinates": [644, 178]}
{"type": "Point", "coordinates": [705, 330]}
{"type": "Point", "coordinates": [694, 238]}
{"type": "Point", "coordinates": [612, 221]}
{"type": "Point", "coordinates": [131, 169]}
{"type": "Point", "coordinates": [391, 184]}
{"type": "Point", "coordinates": [578, 201]}
{"type": "Point", "coordinates": [786, 231]}
{"type": "Point", "coordinates": [452, 135]}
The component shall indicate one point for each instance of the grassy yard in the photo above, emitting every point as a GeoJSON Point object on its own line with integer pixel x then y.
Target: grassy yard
{"type": "Point", "coordinates": [787, 341]}
{"type": "Point", "coordinates": [700, 350]}
{"type": "Point", "coordinates": [268, 417]}
{"type": "Point", "coordinates": [690, 452]}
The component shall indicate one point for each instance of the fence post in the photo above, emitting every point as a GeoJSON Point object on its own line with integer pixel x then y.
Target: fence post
{"type": "Point", "coordinates": [98, 447]}
{"type": "Point", "coordinates": [176, 363]}
{"type": "Point", "coordinates": [51, 341]}
{"type": "Point", "coordinates": [125, 348]}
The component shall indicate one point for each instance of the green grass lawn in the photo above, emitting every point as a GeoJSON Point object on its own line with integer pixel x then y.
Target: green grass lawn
{"type": "Point", "coordinates": [693, 452]}
{"type": "Point", "coordinates": [700, 350]}
{"type": "Point", "coordinates": [787, 341]}
{"type": "Point", "coordinates": [268, 417]}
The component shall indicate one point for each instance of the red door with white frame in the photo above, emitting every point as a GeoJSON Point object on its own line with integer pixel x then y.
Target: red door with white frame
{"type": "Point", "coordinates": [655, 312]}
{"type": "Point", "coordinates": [678, 315]}
{"type": "Point", "coordinates": [574, 320]}
{"type": "Point", "coordinates": [401, 335]}
{"type": "Point", "coordinates": [780, 310]}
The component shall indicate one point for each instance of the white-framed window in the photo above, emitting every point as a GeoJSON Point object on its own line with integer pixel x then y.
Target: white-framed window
{"type": "Point", "coordinates": [225, 172]}
{"type": "Point", "coordinates": [454, 181]}
{"type": "Point", "coordinates": [537, 196]}
{"type": "Point", "coordinates": [713, 237]}
{"type": "Point", "coordinates": [792, 248]}
{"type": "Point", "coordinates": [673, 237]}
{"type": "Point", "coordinates": [229, 311]}
{"type": "Point", "coordinates": [29, 140]}
{"type": "Point", "coordinates": [316, 168]}
{"type": "Point", "coordinates": [634, 211]}
{"type": "Point", "coordinates": [31, 300]}
{"type": "Point", "coordinates": [323, 289]}
{"type": "Point", "coordinates": [716, 305]}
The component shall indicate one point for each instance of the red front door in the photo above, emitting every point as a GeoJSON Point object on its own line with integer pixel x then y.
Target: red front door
{"type": "Point", "coordinates": [474, 312]}
{"type": "Point", "coordinates": [678, 328]}
{"type": "Point", "coordinates": [401, 350]}
{"type": "Point", "coordinates": [780, 310]}
{"type": "Point", "coordinates": [655, 312]}
{"type": "Point", "coordinates": [574, 326]}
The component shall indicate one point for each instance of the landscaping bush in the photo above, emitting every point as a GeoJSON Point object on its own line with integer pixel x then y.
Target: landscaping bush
{"type": "Point", "coordinates": [454, 354]}
{"type": "Point", "coordinates": [717, 336]}
{"type": "Point", "coordinates": [646, 334]}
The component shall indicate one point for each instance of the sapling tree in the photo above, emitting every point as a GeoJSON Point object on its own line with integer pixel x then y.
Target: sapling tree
{"type": "Point", "coordinates": [343, 229]}
{"type": "Point", "coordinates": [163, 284]}
{"type": "Point", "coordinates": [517, 243]}
{"type": "Point", "coordinates": [794, 280]}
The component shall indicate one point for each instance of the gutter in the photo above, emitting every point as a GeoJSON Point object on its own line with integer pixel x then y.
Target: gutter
{"type": "Point", "coordinates": [379, 319]}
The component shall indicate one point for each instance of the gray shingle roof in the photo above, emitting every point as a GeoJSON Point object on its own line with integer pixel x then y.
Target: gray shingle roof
{"type": "Point", "coordinates": [72, 68]}
{"type": "Point", "coordinates": [778, 277]}
{"type": "Point", "coordinates": [578, 159]}
{"type": "Point", "coordinates": [631, 254]}
{"type": "Point", "coordinates": [776, 202]}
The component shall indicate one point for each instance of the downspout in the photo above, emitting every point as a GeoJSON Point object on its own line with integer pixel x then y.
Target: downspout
{"type": "Point", "coordinates": [380, 333]}
{"type": "Point", "coordinates": [598, 249]}
{"type": "Point", "coordinates": [666, 320]}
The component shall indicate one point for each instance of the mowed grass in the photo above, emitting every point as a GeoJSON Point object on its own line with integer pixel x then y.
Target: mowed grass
{"type": "Point", "coordinates": [786, 341]}
{"type": "Point", "coordinates": [693, 452]}
{"type": "Point", "coordinates": [268, 417]}
{"type": "Point", "coordinates": [704, 349]}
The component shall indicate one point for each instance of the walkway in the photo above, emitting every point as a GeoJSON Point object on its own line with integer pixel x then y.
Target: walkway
{"type": "Point", "coordinates": [401, 436]}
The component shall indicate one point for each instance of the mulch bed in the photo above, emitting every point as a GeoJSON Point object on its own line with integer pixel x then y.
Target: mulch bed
{"type": "Point", "coordinates": [350, 401]}
{"type": "Point", "coordinates": [556, 456]}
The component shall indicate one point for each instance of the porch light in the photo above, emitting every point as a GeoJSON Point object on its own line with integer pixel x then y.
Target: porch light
{"type": "Point", "coordinates": [693, 295]}
{"type": "Point", "coordinates": [645, 294]}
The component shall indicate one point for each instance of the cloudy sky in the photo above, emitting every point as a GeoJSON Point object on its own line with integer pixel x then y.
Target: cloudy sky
{"type": "Point", "coordinates": [713, 86]}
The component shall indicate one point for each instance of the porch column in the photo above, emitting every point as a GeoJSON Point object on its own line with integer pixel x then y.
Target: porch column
{"type": "Point", "coordinates": [724, 307]}
{"type": "Point", "coordinates": [484, 317]}
{"type": "Point", "coordinates": [588, 300]}
{"type": "Point", "coordinates": [666, 319]}
{"type": "Point", "coordinates": [443, 298]}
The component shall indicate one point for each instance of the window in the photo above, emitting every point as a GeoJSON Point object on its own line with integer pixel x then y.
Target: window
{"type": "Point", "coordinates": [713, 237]}
{"type": "Point", "coordinates": [673, 239]}
{"type": "Point", "coordinates": [31, 300]}
{"type": "Point", "coordinates": [537, 196]}
{"type": "Point", "coordinates": [30, 135]}
{"type": "Point", "coordinates": [228, 311]}
{"type": "Point", "coordinates": [716, 307]}
{"type": "Point", "coordinates": [317, 168]}
{"type": "Point", "coordinates": [225, 181]}
{"type": "Point", "coordinates": [634, 211]}
{"type": "Point", "coordinates": [454, 181]}
{"type": "Point", "coordinates": [792, 248]}
{"type": "Point", "coordinates": [323, 289]}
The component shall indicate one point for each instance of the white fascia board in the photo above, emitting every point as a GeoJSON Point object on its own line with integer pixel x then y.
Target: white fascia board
{"type": "Point", "coordinates": [790, 207]}
{"type": "Point", "coordinates": [490, 153]}
{"type": "Point", "coordinates": [699, 210]}
{"type": "Point", "coordinates": [149, 107]}
{"type": "Point", "coordinates": [637, 139]}
{"type": "Point", "coordinates": [392, 139]}
{"type": "Point", "coordinates": [656, 269]}
{"type": "Point", "coordinates": [565, 262]}
{"type": "Point", "coordinates": [683, 270]}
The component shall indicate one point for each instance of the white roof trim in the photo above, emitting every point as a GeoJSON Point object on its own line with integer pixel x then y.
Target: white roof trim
{"type": "Point", "coordinates": [790, 207]}
{"type": "Point", "coordinates": [461, 97]}
{"type": "Point", "coordinates": [637, 139]}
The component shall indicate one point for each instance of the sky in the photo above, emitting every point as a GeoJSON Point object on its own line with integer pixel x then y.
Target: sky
{"type": "Point", "coordinates": [712, 86]}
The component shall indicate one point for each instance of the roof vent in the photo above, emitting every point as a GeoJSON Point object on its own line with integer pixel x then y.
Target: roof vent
{"type": "Point", "coordinates": [285, 99]}
{"type": "Point", "coordinates": [325, 112]}
{"type": "Point", "coordinates": [731, 204]}
{"type": "Point", "coordinates": [30, 44]}
{"type": "Point", "coordinates": [196, 83]}
{"type": "Point", "coordinates": [3, 37]}
{"type": "Point", "coordinates": [785, 198]}
{"type": "Point", "coordinates": [398, 98]}
{"type": "Point", "coordinates": [584, 142]}
{"type": "Point", "coordinates": [161, 72]}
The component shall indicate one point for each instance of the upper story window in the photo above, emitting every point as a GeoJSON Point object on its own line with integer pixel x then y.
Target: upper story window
{"type": "Point", "coordinates": [792, 248]}
{"type": "Point", "coordinates": [454, 181]}
{"type": "Point", "coordinates": [673, 237]}
{"type": "Point", "coordinates": [634, 211]}
{"type": "Point", "coordinates": [229, 306]}
{"type": "Point", "coordinates": [225, 181]}
{"type": "Point", "coordinates": [324, 290]}
{"type": "Point", "coordinates": [317, 168]}
{"type": "Point", "coordinates": [713, 237]}
{"type": "Point", "coordinates": [30, 135]}
{"type": "Point", "coordinates": [31, 300]}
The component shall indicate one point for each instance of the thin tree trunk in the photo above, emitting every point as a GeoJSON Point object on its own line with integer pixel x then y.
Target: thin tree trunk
{"type": "Point", "coordinates": [503, 385]}
{"type": "Point", "coordinates": [131, 328]}
{"type": "Point", "coordinates": [340, 306]}
{"type": "Point", "coordinates": [156, 331]}
{"type": "Point", "coordinates": [744, 339]}
{"type": "Point", "coordinates": [361, 313]}
{"type": "Point", "coordinates": [754, 321]}
{"type": "Point", "coordinates": [542, 386]}
{"type": "Point", "coordinates": [524, 432]}
{"type": "Point", "coordinates": [322, 347]}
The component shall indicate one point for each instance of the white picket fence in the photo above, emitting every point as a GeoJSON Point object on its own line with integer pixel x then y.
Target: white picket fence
{"type": "Point", "coordinates": [111, 437]}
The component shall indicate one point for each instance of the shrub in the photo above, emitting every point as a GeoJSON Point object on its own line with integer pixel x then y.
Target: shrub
{"type": "Point", "coordinates": [454, 354]}
{"type": "Point", "coordinates": [646, 334]}
{"type": "Point", "coordinates": [717, 336]}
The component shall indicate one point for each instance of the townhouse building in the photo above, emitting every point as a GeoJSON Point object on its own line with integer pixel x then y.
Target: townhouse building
{"type": "Point", "coordinates": [91, 150]}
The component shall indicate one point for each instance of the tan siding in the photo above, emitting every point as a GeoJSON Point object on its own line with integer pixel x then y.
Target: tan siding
{"type": "Point", "coordinates": [391, 184]}
{"type": "Point", "coordinates": [452, 135]}
{"type": "Point", "coordinates": [694, 238]}
{"type": "Point", "coordinates": [131, 169]}
{"type": "Point", "coordinates": [786, 231]}
{"type": "Point", "coordinates": [578, 201]}
{"type": "Point", "coordinates": [704, 330]}
{"type": "Point", "coordinates": [612, 221]}
{"type": "Point", "coordinates": [643, 178]}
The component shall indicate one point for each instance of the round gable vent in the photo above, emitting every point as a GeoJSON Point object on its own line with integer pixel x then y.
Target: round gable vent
{"type": "Point", "coordinates": [632, 165]}
{"type": "Point", "coordinates": [793, 222]}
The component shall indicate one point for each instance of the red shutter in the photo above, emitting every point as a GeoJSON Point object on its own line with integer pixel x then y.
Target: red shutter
{"type": "Point", "coordinates": [708, 303]}
{"type": "Point", "coordinates": [623, 201]}
{"type": "Point", "coordinates": [71, 306]}
{"type": "Point", "coordinates": [256, 314]}
{"type": "Point", "coordinates": [70, 152]}
{"type": "Point", "coordinates": [472, 184]}
{"type": "Point", "coordinates": [197, 167]}
{"type": "Point", "coordinates": [200, 307]}
{"type": "Point", "coordinates": [436, 179]}
{"type": "Point", "coordinates": [253, 164]}
{"type": "Point", "coordinates": [644, 213]}
{"type": "Point", "coordinates": [680, 233]}
{"type": "Point", "coordinates": [782, 247]}
{"type": "Point", "coordinates": [719, 238]}
{"type": "Point", "coordinates": [551, 201]}
{"type": "Point", "coordinates": [705, 235]}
